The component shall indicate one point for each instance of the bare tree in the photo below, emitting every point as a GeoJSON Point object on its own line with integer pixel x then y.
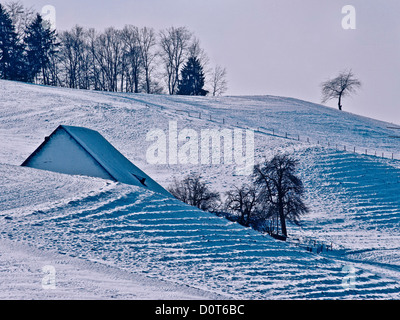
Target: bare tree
{"type": "Point", "coordinates": [21, 17]}
{"type": "Point", "coordinates": [71, 53]}
{"type": "Point", "coordinates": [281, 191]}
{"type": "Point", "coordinates": [77, 58]}
{"type": "Point", "coordinates": [147, 42]}
{"type": "Point", "coordinates": [110, 57]}
{"type": "Point", "coordinates": [242, 201]}
{"type": "Point", "coordinates": [54, 71]}
{"type": "Point", "coordinates": [219, 84]}
{"type": "Point", "coordinates": [95, 70]}
{"type": "Point", "coordinates": [174, 45]}
{"type": "Point", "coordinates": [344, 84]}
{"type": "Point", "coordinates": [195, 50]}
{"type": "Point", "coordinates": [133, 57]}
{"type": "Point", "coordinates": [193, 191]}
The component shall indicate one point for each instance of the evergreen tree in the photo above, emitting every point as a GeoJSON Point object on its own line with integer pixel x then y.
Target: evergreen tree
{"type": "Point", "coordinates": [41, 44]}
{"type": "Point", "coordinates": [192, 79]}
{"type": "Point", "coordinates": [12, 60]}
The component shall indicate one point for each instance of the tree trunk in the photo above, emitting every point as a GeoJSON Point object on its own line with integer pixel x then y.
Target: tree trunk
{"type": "Point", "coordinates": [340, 103]}
{"type": "Point", "coordinates": [148, 81]}
{"type": "Point", "coordinates": [136, 80]}
{"type": "Point", "coordinates": [282, 218]}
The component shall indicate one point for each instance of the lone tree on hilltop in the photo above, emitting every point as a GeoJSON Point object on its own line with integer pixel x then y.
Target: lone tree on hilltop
{"type": "Point", "coordinates": [343, 85]}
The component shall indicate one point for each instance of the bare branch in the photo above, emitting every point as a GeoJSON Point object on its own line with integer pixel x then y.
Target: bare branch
{"type": "Point", "coordinates": [343, 85]}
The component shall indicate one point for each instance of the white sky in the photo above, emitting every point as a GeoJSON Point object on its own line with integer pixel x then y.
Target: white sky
{"type": "Point", "coordinates": [273, 47]}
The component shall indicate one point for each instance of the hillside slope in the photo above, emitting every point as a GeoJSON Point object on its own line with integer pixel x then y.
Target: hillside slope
{"type": "Point", "coordinates": [352, 196]}
{"type": "Point", "coordinates": [134, 231]}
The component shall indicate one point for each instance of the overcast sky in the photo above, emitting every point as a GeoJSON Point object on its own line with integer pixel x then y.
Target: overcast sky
{"type": "Point", "coordinates": [273, 47]}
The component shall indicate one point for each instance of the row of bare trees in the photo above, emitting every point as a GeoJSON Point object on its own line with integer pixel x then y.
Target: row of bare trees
{"type": "Point", "coordinates": [114, 60]}
{"type": "Point", "coordinates": [130, 59]}
{"type": "Point", "coordinates": [274, 196]}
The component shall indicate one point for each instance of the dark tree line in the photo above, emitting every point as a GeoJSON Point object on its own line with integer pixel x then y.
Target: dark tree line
{"type": "Point", "coordinates": [128, 60]}
{"type": "Point", "coordinates": [274, 197]}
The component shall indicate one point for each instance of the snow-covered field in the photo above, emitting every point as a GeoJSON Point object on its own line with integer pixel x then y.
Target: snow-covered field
{"type": "Point", "coordinates": [108, 240]}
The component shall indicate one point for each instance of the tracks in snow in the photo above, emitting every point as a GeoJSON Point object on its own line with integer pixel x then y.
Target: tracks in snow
{"type": "Point", "coordinates": [137, 230]}
{"type": "Point", "coordinates": [360, 206]}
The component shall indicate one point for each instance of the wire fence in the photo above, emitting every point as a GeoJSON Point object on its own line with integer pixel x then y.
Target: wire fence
{"type": "Point", "coordinates": [312, 245]}
{"type": "Point", "coordinates": [295, 137]}
{"type": "Point", "coordinates": [306, 243]}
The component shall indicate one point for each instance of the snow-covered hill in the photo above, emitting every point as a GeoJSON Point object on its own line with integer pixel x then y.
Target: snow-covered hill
{"type": "Point", "coordinates": [144, 237]}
